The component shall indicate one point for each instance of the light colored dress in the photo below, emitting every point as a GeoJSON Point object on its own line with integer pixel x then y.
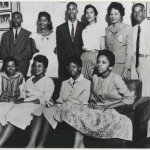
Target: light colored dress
{"type": "Point", "coordinates": [21, 114]}
{"type": "Point", "coordinates": [10, 89]}
{"type": "Point", "coordinates": [91, 37]}
{"type": "Point", "coordinates": [98, 123]}
{"type": "Point", "coordinates": [79, 92]}
{"type": "Point", "coordinates": [120, 41]}
{"type": "Point", "coordinates": [46, 46]}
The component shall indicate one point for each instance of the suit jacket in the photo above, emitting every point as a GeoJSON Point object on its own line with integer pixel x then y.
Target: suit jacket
{"type": "Point", "coordinates": [67, 48]}
{"type": "Point", "coordinates": [21, 49]}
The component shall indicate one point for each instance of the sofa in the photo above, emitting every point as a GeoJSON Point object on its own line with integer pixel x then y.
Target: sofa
{"type": "Point", "coordinates": [63, 135]}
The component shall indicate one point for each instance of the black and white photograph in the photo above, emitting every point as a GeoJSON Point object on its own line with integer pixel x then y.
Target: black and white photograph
{"type": "Point", "coordinates": [5, 5]}
{"type": "Point", "coordinates": [5, 18]}
{"type": "Point", "coordinates": [75, 74]}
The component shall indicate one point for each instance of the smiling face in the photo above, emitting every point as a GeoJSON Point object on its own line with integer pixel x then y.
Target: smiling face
{"type": "Point", "coordinates": [16, 20]}
{"type": "Point", "coordinates": [11, 68]}
{"type": "Point", "coordinates": [39, 69]}
{"type": "Point", "coordinates": [103, 65]}
{"type": "Point", "coordinates": [138, 13]}
{"type": "Point", "coordinates": [72, 12]}
{"type": "Point", "coordinates": [43, 22]}
{"type": "Point", "coordinates": [115, 16]}
{"type": "Point", "coordinates": [90, 15]}
{"type": "Point", "coordinates": [74, 70]}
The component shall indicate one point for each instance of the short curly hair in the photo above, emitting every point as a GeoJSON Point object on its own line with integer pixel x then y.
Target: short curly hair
{"type": "Point", "coordinates": [74, 59]}
{"type": "Point", "coordinates": [90, 6]}
{"type": "Point", "coordinates": [42, 59]}
{"type": "Point", "coordinates": [117, 6]}
{"type": "Point", "coordinates": [47, 15]}
{"type": "Point", "coordinates": [109, 54]}
{"type": "Point", "coordinates": [8, 59]}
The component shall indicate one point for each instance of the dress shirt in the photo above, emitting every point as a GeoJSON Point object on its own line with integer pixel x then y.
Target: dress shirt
{"type": "Point", "coordinates": [14, 31]}
{"type": "Point", "coordinates": [70, 26]}
{"type": "Point", "coordinates": [144, 47]}
{"type": "Point", "coordinates": [78, 92]}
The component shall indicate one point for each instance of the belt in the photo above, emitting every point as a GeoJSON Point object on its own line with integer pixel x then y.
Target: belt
{"type": "Point", "coordinates": [142, 55]}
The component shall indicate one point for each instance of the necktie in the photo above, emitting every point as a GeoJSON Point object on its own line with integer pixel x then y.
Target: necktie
{"type": "Point", "coordinates": [16, 35]}
{"type": "Point", "coordinates": [72, 33]}
{"type": "Point", "coordinates": [73, 82]}
{"type": "Point", "coordinates": [137, 46]}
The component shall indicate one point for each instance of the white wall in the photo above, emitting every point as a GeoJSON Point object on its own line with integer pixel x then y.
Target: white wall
{"type": "Point", "coordinates": [57, 10]}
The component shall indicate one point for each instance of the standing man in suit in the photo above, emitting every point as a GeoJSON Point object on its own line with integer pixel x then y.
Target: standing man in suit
{"type": "Point", "coordinates": [69, 39]}
{"type": "Point", "coordinates": [141, 47]}
{"type": "Point", "coordinates": [16, 43]}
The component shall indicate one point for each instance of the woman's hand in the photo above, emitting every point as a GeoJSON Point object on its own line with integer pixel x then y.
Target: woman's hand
{"type": "Point", "coordinates": [20, 100]}
{"type": "Point", "coordinates": [92, 104]}
{"type": "Point", "coordinates": [125, 74]}
{"type": "Point", "coordinates": [49, 103]}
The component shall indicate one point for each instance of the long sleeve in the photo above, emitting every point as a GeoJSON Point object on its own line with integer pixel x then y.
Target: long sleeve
{"type": "Point", "coordinates": [3, 48]}
{"type": "Point", "coordinates": [129, 50]}
{"type": "Point", "coordinates": [120, 85]}
{"type": "Point", "coordinates": [48, 92]}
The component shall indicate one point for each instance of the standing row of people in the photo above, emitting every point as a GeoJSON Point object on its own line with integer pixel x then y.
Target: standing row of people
{"type": "Point", "coordinates": [90, 113]}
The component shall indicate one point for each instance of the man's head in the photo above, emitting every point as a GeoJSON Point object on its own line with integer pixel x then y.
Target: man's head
{"type": "Point", "coordinates": [16, 19]}
{"type": "Point", "coordinates": [138, 12]}
{"type": "Point", "coordinates": [72, 11]}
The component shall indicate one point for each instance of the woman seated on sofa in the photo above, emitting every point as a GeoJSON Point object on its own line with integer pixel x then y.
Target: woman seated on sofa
{"type": "Point", "coordinates": [99, 119]}
{"type": "Point", "coordinates": [76, 89]}
{"type": "Point", "coordinates": [36, 93]}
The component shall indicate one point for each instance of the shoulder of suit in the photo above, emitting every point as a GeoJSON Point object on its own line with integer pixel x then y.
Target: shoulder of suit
{"type": "Point", "coordinates": [28, 32]}
{"type": "Point", "coordinates": [62, 25]}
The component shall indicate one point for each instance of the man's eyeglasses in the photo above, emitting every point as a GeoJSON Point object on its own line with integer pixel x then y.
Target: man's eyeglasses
{"type": "Point", "coordinates": [72, 67]}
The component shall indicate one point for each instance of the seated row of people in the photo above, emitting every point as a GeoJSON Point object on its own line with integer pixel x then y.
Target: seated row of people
{"type": "Point", "coordinates": [87, 107]}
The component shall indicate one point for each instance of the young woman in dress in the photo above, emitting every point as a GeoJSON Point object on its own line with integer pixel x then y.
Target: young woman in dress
{"type": "Point", "coordinates": [119, 39]}
{"type": "Point", "coordinates": [36, 93]}
{"type": "Point", "coordinates": [99, 119]}
{"type": "Point", "coordinates": [45, 43]}
{"type": "Point", "coordinates": [11, 84]}
{"type": "Point", "coordinates": [93, 41]}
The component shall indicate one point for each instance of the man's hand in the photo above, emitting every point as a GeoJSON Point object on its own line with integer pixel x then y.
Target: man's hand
{"type": "Point", "coordinates": [49, 103]}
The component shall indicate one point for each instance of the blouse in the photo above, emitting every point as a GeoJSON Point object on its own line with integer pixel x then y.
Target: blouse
{"type": "Point", "coordinates": [110, 90]}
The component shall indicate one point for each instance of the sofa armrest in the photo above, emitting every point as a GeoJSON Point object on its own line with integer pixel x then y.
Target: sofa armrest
{"type": "Point", "coordinates": [141, 101]}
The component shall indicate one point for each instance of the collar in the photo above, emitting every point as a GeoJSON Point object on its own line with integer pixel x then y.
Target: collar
{"type": "Point", "coordinates": [74, 23]}
{"type": "Point", "coordinates": [143, 23]}
{"type": "Point", "coordinates": [16, 75]}
{"type": "Point", "coordinates": [115, 30]}
{"type": "Point", "coordinates": [79, 79]}
{"type": "Point", "coordinates": [14, 30]}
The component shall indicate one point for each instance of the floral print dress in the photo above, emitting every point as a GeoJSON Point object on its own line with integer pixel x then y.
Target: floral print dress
{"type": "Point", "coordinates": [95, 122]}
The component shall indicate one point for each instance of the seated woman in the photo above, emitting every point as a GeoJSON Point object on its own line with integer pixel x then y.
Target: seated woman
{"type": "Point", "coordinates": [36, 93]}
{"type": "Point", "coordinates": [99, 119]}
{"type": "Point", "coordinates": [76, 89]}
{"type": "Point", "coordinates": [11, 83]}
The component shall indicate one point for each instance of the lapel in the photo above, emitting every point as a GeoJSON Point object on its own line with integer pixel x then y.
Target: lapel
{"type": "Point", "coordinates": [19, 35]}
{"type": "Point", "coordinates": [77, 30]}
{"type": "Point", "coordinates": [67, 32]}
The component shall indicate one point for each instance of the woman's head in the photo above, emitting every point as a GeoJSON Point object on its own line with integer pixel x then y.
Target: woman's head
{"type": "Point", "coordinates": [40, 64]}
{"type": "Point", "coordinates": [74, 65]}
{"type": "Point", "coordinates": [116, 11]}
{"type": "Point", "coordinates": [105, 61]}
{"type": "Point", "coordinates": [90, 12]}
{"type": "Point", "coordinates": [10, 65]}
{"type": "Point", "coordinates": [44, 20]}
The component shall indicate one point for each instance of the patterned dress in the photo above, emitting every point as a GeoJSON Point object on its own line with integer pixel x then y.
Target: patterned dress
{"type": "Point", "coordinates": [10, 89]}
{"type": "Point", "coordinates": [20, 115]}
{"type": "Point", "coordinates": [95, 122]}
{"type": "Point", "coordinates": [91, 36]}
